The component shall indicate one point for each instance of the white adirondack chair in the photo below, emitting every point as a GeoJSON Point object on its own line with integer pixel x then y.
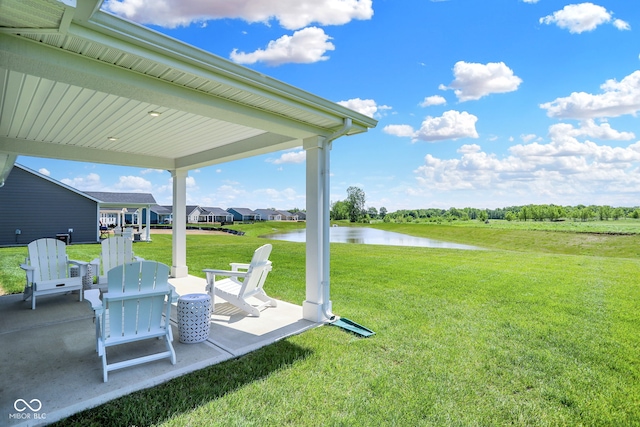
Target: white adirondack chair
{"type": "Point", "coordinates": [128, 233]}
{"type": "Point", "coordinates": [243, 286]}
{"type": "Point", "coordinates": [48, 270]}
{"type": "Point", "coordinates": [116, 251]}
{"type": "Point", "coordinates": [136, 307]}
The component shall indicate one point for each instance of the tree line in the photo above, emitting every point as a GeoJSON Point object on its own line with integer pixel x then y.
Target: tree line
{"type": "Point", "coordinates": [353, 208]}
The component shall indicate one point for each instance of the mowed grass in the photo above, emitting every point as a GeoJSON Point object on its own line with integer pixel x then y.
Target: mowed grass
{"type": "Point", "coordinates": [525, 333]}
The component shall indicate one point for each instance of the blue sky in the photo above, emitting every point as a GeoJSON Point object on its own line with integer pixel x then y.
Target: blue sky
{"type": "Point", "coordinates": [480, 103]}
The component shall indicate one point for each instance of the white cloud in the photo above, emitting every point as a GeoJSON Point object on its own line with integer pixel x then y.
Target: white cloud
{"type": "Point", "coordinates": [530, 1]}
{"type": "Point", "coordinates": [367, 107]}
{"type": "Point", "coordinates": [618, 98]}
{"type": "Point", "coordinates": [589, 129]}
{"type": "Point", "coordinates": [451, 125]}
{"type": "Point", "coordinates": [621, 25]}
{"type": "Point", "coordinates": [135, 184]}
{"type": "Point", "coordinates": [44, 171]}
{"type": "Point", "coordinates": [433, 100]}
{"type": "Point", "coordinates": [290, 157]}
{"type": "Point", "coordinates": [564, 170]}
{"type": "Point", "coordinates": [578, 18]}
{"type": "Point", "coordinates": [90, 182]}
{"type": "Point", "coordinates": [291, 14]}
{"type": "Point", "coordinates": [473, 81]}
{"type": "Point", "coordinates": [276, 198]}
{"type": "Point", "coordinates": [528, 137]}
{"type": "Point", "coordinates": [306, 46]}
{"type": "Point", "coordinates": [148, 171]}
{"type": "Point", "coordinates": [399, 130]}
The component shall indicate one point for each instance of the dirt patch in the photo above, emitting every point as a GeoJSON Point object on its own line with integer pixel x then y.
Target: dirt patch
{"type": "Point", "coordinates": [168, 231]}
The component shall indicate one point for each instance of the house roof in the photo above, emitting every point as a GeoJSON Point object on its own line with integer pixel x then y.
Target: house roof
{"type": "Point", "coordinates": [94, 78]}
{"type": "Point", "coordinates": [242, 211]}
{"type": "Point", "coordinates": [267, 212]}
{"type": "Point", "coordinates": [191, 208]}
{"type": "Point", "coordinates": [215, 211]}
{"type": "Point", "coordinates": [161, 210]}
{"type": "Point", "coordinates": [122, 199]}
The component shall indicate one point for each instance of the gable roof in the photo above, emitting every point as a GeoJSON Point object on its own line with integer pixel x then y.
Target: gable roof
{"type": "Point", "coordinates": [242, 211]}
{"type": "Point", "coordinates": [122, 199]}
{"type": "Point", "coordinates": [161, 210]}
{"type": "Point", "coordinates": [215, 211]}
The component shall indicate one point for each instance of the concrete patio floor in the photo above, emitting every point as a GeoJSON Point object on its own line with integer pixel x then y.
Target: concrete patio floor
{"type": "Point", "coordinates": [50, 368]}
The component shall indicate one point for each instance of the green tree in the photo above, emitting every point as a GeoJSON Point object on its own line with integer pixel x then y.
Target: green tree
{"type": "Point", "coordinates": [339, 210]}
{"type": "Point", "coordinates": [355, 202]}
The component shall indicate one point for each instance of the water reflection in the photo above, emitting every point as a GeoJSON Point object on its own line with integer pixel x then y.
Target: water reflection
{"type": "Point", "coordinates": [371, 236]}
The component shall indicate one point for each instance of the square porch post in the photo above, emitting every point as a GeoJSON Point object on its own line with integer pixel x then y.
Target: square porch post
{"type": "Point", "coordinates": [317, 306]}
{"type": "Point", "coordinates": [179, 234]}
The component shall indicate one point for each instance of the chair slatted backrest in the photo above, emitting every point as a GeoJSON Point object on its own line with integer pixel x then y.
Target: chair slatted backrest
{"type": "Point", "coordinates": [257, 272]}
{"type": "Point", "coordinates": [116, 251]}
{"type": "Point", "coordinates": [49, 259]}
{"type": "Point", "coordinates": [136, 298]}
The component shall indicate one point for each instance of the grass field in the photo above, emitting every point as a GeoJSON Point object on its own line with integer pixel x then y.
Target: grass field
{"type": "Point", "coordinates": [541, 329]}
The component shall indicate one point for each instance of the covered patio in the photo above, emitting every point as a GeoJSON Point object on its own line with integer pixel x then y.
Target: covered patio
{"type": "Point", "coordinates": [50, 354]}
{"type": "Point", "coordinates": [84, 85]}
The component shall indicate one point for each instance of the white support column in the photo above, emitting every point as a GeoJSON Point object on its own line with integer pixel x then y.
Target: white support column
{"type": "Point", "coordinates": [179, 235]}
{"type": "Point", "coordinates": [317, 306]}
{"type": "Point", "coordinates": [147, 232]}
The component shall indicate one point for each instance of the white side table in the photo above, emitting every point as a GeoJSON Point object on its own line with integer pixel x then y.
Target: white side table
{"type": "Point", "coordinates": [194, 315]}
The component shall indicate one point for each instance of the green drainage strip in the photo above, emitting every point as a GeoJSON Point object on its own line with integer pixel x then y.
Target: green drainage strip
{"type": "Point", "coordinates": [353, 327]}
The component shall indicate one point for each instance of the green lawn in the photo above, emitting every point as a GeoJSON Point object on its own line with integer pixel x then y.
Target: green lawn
{"type": "Point", "coordinates": [542, 328]}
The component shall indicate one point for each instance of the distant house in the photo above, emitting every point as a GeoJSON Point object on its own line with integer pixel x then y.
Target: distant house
{"type": "Point", "coordinates": [123, 208]}
{"type": "Point", "coordinates": [244, 214]}
{"type": "Point", "coordinates": [129, 209]}
{"type": "Point", "coordinates": [33, 206]}
{"type": "Point", "coordinates": [269, 215]}
{"type": "Point", "coordinates": [288, 216]}
{"type": "Point", "coordinates": [302, 216]}
{"type": "Point", "coordinates": [193, 214]}
{"type": "Point", "coordinates": [213, 214]}
{"type": "Point", "coordinates": [161, 214]}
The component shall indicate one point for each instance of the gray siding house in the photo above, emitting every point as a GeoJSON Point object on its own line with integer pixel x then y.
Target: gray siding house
{"type": "Point", "coordinates": [269, 215]}
{"type": "Point", "coordinates": [213, 214]}
{"type": "Point", "coordinates": [27, 202]}
{"type": "Point", "coordinates": [244, 214]}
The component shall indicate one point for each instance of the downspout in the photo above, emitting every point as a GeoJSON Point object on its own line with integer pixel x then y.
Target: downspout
{"type": "Point", "coordinates": [326, 309]}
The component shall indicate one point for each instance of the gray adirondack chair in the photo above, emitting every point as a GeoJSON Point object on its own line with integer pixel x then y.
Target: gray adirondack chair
{"type": "Point", "coordinates": [243, 286]}
{"type": "Point", "coordinates": [115, 251]}
{"type": "Point", "coordinates": [136, 307]}
{"type": "Point", "coordinates": [48, 270]}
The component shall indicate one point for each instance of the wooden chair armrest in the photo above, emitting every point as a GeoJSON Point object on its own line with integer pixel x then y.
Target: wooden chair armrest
{"type": "Point", "coordinates": [224, 272]}
{"type": "Point", "coordinates": [239, 265]}
{"type": "Point", "coordinates": [93, 297]}
{"type": "Point", "coordinates": [211, 276]}
{"type": "Point", "coordinates": [27, 267]}
{"type": "Point", "coordinates": [174, 294]}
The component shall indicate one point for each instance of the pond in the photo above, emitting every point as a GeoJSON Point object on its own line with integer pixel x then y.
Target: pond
{"type": "Point", "coordinates": [371, 236]}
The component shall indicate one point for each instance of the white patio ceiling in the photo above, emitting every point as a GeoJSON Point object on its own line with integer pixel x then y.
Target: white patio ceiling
{"type": "Point", "coordinates": [77, 83]}
{"type": "Point", "coordinates": [74, 77]}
